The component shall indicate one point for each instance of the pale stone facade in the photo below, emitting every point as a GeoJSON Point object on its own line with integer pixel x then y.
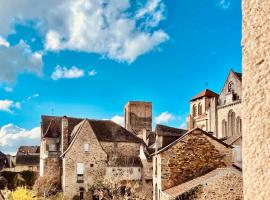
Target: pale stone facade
{"type": "Point", "coordinates": [256, 98]}
{"type": "Point", "coordinates": [219, 114]}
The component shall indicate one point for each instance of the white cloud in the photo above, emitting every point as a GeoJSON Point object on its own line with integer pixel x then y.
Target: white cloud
{"type": "Point", "coordinates": [8, 105]}
{"type": "Point", "coordinates": [12, 136]}
{"type": "Point", "coordinates": [93, 72]}
{"type": "Point", "coordinates": [224, 4]}
{"type": "Point", "coordinates": [8, 89]}
{"type": "Point", "coordinates": [33, 96]}
{"type": "Point", "coordinates": [4, 42]}
{"type": "Point", "coordinates": [63, 72]}
{"type": "Point", "coordinates": [164, 117]}
{"type": "Point", "coordinates": [18, 59]}
{"type": "Point", "coordinates": [118, 29]}
{"type": "Point", "coordinates": [119, 120]}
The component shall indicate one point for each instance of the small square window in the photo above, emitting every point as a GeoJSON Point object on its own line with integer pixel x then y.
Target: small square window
{"type": "Point", "coordinates": [91, 165]}
{"type": "Point", "coordinates": [86, 147]}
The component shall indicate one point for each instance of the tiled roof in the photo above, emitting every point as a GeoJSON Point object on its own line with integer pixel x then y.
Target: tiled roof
{"type": "Point", "coordinates": [109, 131]}
{"type": "Point", "coordinates": [185, 134]}
{"type": "Point", "coordinates": [211, 176]}
{"type": "Point", "coordinates": [205, 93]}
{"type": "Point", "coordinates": [123, 161]}
{"type": "Point", "coordinates": [231, 140]}
{"type": "Point", "coordinates": [163, 130]}
{"type": "Point", "coordinates": [25, 150]}
{"type": "Point", "coordinates": [28, 160]}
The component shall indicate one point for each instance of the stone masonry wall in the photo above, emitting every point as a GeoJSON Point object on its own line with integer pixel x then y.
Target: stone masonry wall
{"type": "Point", "coordinates": [95, 162]}
{"type": "Point", "coordinates": [256, 98]}
{"type": "Point", "coordinates": [193, 156]}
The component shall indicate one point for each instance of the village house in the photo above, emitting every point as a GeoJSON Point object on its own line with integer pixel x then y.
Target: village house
{"type": "Point", "coordinates": [82, 152]}
{"type": "Point", "coordinates": [182, 169]}
{"type": "Point", "coordinates": [26, 159]}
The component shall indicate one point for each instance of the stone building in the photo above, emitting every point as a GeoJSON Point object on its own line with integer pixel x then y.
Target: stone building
{"type": "Point", "coordinates": [195, 157]}
{"type": "Point", "coordinates": [256, 98]}
{"type": "Point", "coordinates": [83, 151]}
{"type": "Point", "coordinates": [219, 113]}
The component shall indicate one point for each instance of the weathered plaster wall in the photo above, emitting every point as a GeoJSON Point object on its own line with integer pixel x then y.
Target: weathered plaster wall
{"type": "Point", "coordinates": [256, 98]}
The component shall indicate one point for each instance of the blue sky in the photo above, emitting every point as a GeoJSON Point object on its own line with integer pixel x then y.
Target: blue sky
{"type": "Point", "coordinates": [72, 61]}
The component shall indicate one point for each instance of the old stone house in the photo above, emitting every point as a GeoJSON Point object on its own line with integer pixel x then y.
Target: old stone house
{"type": "Point", "coordinates": [82, 152]}
{"type": "Point", "coordinates": [194, 154]}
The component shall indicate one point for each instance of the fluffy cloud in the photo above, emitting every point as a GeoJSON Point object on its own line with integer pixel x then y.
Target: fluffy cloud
{"type": "Point", "coordinates": [18, 59]}
{"type": "Point", "coordinates": [8, 89]}
{"type": "Point", "coordinates": [92, 72]}
{"type": "Point", "coordinates": [224, 4]}
{"type": "Point", "coordinates": [11, 137]}
{"type": "Point", "coordinates": [8, 105]}
{"type": "Point", "coordinates": [119, 120]}
{"type": "Point", "coordinates": [164, 117]}
{"type": "Point", "coordinates": [120, 30]}
{"type": "Point", "coordinates": [63, 72]}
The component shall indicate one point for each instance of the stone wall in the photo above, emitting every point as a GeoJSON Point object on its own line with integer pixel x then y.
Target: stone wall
{"type": "Point", "coordinates": [256, 98]}
{"type": "Point", "coordinates": [193, 156]}
{"type": "Point", "coordinates": [95, 162]}
{"type": "Point", "coordinates": [223, 111]}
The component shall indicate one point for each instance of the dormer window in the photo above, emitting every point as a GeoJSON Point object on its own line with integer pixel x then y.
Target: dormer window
{"type": "Point", "coordinates": [86, 147]}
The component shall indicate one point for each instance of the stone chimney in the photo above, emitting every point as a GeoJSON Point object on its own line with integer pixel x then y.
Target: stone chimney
{"type": "Point", "coordinates": [64, 135]}
{"type": "Point", "coordinates": [138, 116]}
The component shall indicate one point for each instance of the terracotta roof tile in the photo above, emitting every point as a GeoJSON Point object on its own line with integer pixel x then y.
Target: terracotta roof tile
{"type": "Point", "coordinates": [205, 93]}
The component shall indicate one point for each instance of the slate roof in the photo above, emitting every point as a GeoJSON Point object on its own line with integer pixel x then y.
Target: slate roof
{"type": "Point", "coordinates": [25, 150]}
{"type": "Point", "coordinates": [182, 137]}
{"type": "Point", "coordinates": [163, 130]}
{"type": "Point", "coordinates": [214, 175]}
{"type": "Point", "coordinates": [205, 93]}
{"type": "Point", "coordinates": [231, 140]}
{"type": "Point", "coordinates": [116, 161]}
{"type": "Point", "coordinates": [27, 160]}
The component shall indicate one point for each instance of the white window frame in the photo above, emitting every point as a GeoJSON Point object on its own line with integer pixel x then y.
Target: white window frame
{"type": "Point", "coordinates": [80, 169]}
{"type": "Point", "coordinates": [86, 147]}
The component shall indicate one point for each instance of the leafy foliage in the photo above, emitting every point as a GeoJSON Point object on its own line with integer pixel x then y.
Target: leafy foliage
{"type": "Point", "coordinates": [22, 193]}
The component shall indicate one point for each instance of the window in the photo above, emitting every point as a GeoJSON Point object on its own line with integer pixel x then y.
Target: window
{"type": "Point", "coordinates": [231, 123]}
{"type": "Point", "coordinates": [230, 87]}
{"type": "Point", "coordinates": [199, 109]}
{"type": "Point", "coordinates": [86, 147]}
{"type": "Point", "coordinates": [52, 147]}
{"type": "Point", "coordinates": [194, 110]}
{"type": "Point", "coordinates": [91, 165]}
{"type": "Point", "coordinates": [80, 172]}
{"type": "Point", "coordinates": [81, 193]}
{"type": "Point", "coordinates": [156, 167]}
{"type": "Point", "coordinates": [224, 128]}
{"type": "Point", "coordinates": [239, 125]}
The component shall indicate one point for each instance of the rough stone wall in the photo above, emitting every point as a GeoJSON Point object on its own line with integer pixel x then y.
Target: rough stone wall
{"type": "Point", "coordinates": [121, 148]}
{"type": "Point", "coordinates": [95, 162]}
{"type": "Point", "coordinates": [256, 98]}
{"type": "Point", "coordinates": [138, 116]}
{"type": "Point", "coordinates": [193, 156]}
{"type": "Point", "coordinates": [223, 115]}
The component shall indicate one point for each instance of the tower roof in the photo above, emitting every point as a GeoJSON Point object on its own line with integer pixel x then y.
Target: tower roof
{"type": "Point", "coordinates": [205, 93]}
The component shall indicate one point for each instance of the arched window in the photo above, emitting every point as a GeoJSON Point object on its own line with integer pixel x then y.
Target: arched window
{"type": "Point", "coordinates": [239, 125]}
{"type": "Point", "coordinates": [231, 123]}
{"type": "Point", "coordinates": [224, 128]}
{"type": "Point", "coordinates": [230, 87]}
{"type": "Point", "coordinates": [199, 109]}
{"type": "Point", "coordinates": [194, 110]}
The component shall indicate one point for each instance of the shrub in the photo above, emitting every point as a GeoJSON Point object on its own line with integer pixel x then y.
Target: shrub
{"type": "Point", "coordinates": [23, 194]}
{"type": "Point", "coordinates": [3, 182]}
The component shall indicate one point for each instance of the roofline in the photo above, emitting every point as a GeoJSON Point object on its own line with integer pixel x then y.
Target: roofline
{"type": "Point", "coordinates": [173, 134]}
{"type": "Point", "coordinates": [179, 139]}
{"type": "Point", "coordinates": [231, 70]}
{"type": "Point", "coordinates": [194, 97]}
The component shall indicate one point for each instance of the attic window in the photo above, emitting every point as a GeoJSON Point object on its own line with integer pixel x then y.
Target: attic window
{"type": "Point", "coordinates": [230, 87]}
{"type": "Point", "coordinates": [86, 147]}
